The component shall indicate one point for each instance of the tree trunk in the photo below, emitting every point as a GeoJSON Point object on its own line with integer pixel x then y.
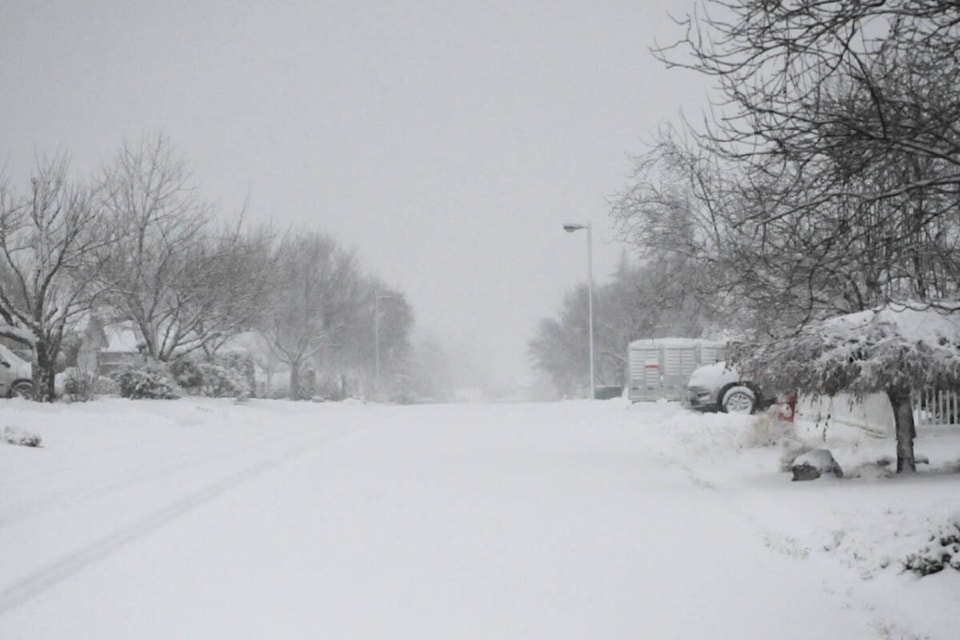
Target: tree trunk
{"type": "Point", "coordinates": [295, 381]}
{"type": "Point", "coordinates": [43, 374]}
{"type": "Point", "coordinates": [905, 429]}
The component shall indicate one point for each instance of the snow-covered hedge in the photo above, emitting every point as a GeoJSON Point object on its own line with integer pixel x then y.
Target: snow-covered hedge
{"type": "Point", "coordinates": [149, 382]}
{"type": "Point", "coordinates": [78, 385]}
{"type": "Point", "coordinates": [942, 551]}
{"type": "Point", "coordinates": [896, 346]}
{"type": "Point", "coordinates": [222, 378]}
{"type": "Point", "coordinates": [242, 368]}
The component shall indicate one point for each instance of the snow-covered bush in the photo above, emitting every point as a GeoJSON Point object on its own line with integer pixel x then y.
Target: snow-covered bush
{"type": "Point", "coordinates": [815, 463]}
{"type": "Point", "coordinates": [242, 366]}
{"type": "Point", "coordinates": [223, 378]}
{"type": "Point", "coordinates": [80, 385]}
{"type": "Point", "coordinates": [22, 437]}
{"type": "Point", "coordinates": [148, 382]}
{"type": "Point", "coordinates": [942, 551]}
{"type": "Point", "coordinates": [221, 382]}
{"type": "Point", "coordinates": [790, 454]}
{"type": "Point", "coordinates": [186, 372]}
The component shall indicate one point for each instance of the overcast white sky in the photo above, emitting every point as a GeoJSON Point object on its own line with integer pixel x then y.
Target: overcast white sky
{"type": "Point", "coordinates": [445, 141]}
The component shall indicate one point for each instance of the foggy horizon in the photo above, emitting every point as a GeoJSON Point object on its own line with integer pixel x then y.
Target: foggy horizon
{"type": "Point", "coordinates": [446, 145]}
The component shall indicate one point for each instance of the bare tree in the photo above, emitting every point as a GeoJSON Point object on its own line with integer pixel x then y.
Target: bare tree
{"type": "Point", "coordinates": [185, 284]}
{"type": "Point", "coordinates": [775, 61]}
{"type": "Point", "coordinates": [688, 215]}
{"type": "Point", "coordinates": [231, 285]}
{"type": "Point", "coordinates": [315, 282]}
{"type": "Point", "coordinates": [778, 252]}
{"type": "Point", "coordinates": [835, 127]}
{"type": "Point", "coordinates": [50, 242]}
{"type": "Point", "coordinates": [647, 300]}
{"type": "Point", "coordinates": [376, 333]}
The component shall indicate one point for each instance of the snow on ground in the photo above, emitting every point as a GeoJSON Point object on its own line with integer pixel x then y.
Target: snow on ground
{"type": "Point", "coordinates": [270, 519]}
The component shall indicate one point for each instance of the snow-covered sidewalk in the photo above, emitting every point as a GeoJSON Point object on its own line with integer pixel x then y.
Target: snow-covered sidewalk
{"type": "Point", "coordinates": [207, 519]}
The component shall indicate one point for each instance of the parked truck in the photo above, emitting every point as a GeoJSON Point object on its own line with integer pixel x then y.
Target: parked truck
{"type": "Point", "coordinates": [659, 368]}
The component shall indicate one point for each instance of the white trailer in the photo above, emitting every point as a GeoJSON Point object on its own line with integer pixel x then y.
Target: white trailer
{"type": "Point", "coordinates": [660, 367]}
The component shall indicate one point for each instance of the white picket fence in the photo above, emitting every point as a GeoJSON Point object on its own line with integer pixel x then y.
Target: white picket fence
{"type": "Point", "coordinates": [873, 413]}
{"type": "Point", "coordinates": [937, 408]}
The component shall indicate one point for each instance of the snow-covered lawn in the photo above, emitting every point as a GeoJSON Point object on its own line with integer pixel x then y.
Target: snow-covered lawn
{"type": "Point", "coordinates": [269, 519]}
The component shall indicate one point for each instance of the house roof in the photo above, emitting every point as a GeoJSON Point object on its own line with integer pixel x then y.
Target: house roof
{"type": "Point", "coordinates": [123, 337]}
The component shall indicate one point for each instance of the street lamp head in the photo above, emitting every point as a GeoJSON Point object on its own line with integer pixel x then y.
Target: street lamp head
{"type": "Point", "coordinates": [570, 227]}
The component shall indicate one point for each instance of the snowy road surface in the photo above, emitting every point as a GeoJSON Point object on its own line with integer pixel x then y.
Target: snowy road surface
{"type": "Point", "coordinates": [204, 519]}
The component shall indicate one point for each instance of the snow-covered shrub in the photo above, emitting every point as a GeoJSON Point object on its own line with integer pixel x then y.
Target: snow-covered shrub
{"type": "Point", "coordinates": [148, 382]}
{"type": "Point", "coordinates": [242, 366]}
{"type": "Point", "coordinates": [790, 454]}
{"type": "Point", "coordinates": [22, 437]}
{"type": "Point", "coordinates": [942, 551]}
{"type": "Point", "coordinates": [186, 372]}
{"type": "Point", "coordinates": [327, 387]}
{"type": "Point", "coordinates": [221, 378]}
{"type": "Point", "coordinates": [815, 463]}
{"type": "Point", "coordinates": [221, 382]}
{"type": "Point", "coordinates": [80, 385]}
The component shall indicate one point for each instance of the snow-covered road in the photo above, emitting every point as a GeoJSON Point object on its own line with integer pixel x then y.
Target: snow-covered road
{"type": "Point", "coordinates": [200, 519]}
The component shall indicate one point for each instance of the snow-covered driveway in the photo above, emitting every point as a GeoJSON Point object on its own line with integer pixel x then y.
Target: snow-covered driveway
{"type": "Point", "coordinates": [204, 519]}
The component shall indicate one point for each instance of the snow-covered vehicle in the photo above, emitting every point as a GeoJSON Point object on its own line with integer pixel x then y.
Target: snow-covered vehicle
{"type": "Point", "coordinates": [717, 387]}
{"type": "Point", "coordinates": [16, 375]}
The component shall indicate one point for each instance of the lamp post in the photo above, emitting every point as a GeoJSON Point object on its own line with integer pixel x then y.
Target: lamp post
{"type": "Point", "coordinates": [570, 227]}
{"type": "Point", "coordinates": [376, 335]}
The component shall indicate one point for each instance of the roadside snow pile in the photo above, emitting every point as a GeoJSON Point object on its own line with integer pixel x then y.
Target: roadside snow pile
{"type": "Point", "coordinates": [814, 463]}
{"type": "Point", "coordinates": [873, 521]}
{"type": "Point", "coordinates": [18, 436]}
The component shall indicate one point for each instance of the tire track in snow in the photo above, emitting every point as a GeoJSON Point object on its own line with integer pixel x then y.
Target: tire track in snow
{"type": "Point", "coordinates": [41, 581]}
{"type": "Point", "coordinates": [130, 479]}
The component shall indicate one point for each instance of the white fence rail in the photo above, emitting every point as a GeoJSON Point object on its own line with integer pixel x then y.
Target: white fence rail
{"type": "Point", "coordinates": [936, 408]}
{"type": "Point", "coordinates": [873, 413]}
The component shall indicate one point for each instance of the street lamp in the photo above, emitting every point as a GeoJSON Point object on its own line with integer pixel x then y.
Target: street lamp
{"type": "Point", "coordinates": [376, 334]}
{"type": "Point", "coordinates": [570, 227]}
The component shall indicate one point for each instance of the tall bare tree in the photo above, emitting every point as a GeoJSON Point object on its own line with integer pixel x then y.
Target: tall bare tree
{"type": "Point", "coordinates": [315, 284]}
{"type": "Point", "coordinates": [376, 335]}
{"type": "Point", "coordinates": [775, 61]}
{"type": "Point", "coordinates": [835, 126]}
{"type": "Point", "coordinates": [51, 241]}
{"type": "Point", "coordinates": [186, 284]}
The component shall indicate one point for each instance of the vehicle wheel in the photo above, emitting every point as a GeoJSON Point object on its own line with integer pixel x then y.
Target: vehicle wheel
{"type": "Point", "coordinates": [738, 399]}
{"type": "Point", "coordinates": [22, 389]}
